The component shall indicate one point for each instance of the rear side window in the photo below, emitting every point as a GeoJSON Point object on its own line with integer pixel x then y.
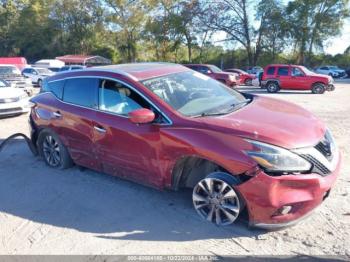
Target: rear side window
{"type": "Point", "coordinates": [54, 87]}
{"type": "Point", "coordinates": [283, 71]}
{"type": "Point", "coordinates": [271, 70]}
{"type": "Point", "coordinates": [81, 91]}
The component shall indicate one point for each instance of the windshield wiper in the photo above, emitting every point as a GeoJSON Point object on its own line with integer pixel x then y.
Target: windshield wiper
{"type": "Point", "coordinates": [233, 107]}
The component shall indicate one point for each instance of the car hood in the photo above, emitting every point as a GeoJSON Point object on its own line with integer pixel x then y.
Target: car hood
{"type": "Point", "coordinates": [271, 121]}
{"type": "Point", "coordinates": [9, 92]}
{"type": "Point", "coordinates": [315, 75]}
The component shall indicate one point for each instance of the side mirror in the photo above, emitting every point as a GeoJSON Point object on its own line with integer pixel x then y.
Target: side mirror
{"type": "Point", "coordinates": [209, 71]}
{"type": "Point", "coordinates": [142, 116]}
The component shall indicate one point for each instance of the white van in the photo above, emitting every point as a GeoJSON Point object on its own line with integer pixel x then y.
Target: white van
{"type": "Point", "coordinates": [52, 64]}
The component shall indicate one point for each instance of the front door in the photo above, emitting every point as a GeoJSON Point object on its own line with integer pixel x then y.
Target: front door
{"type": "Point", "coordinates": [126, 149]}
{"type": "Point", "coordinates": [299, 79]}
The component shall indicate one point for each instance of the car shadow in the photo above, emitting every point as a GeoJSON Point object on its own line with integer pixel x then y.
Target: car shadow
{"type": "Point", "coordinates": [261, 91]}
{"type": "Point", "coordinates": [96, 203]}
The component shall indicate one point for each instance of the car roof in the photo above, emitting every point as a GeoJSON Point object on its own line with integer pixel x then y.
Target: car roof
{"type": "Point", "coordinates": [142, 71]}
{"type": "Point", "coordinates": [283, 65]}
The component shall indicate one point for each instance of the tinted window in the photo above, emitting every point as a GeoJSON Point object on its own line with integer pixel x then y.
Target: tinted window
{"type": "Point", "coordinates": [324, 68]}
{"type": "Point", "coordinates": [117, 98]}
{"type": "Point", "coordinates": [76, 68]}
{"type": "Point", "coordinates": [203, 69]}
{"type": "Point", "coordinates": [65, 68]}
{"type": "Point", "coordinates": [81, 91]}
{"type": "Point", "coordinates": [282, 71]}
{"type": "Point", "coordinates": [27, 70]}
{"type": "Point", "coordinates": [271, 70]}
{"type": "Point", "coordinates": [54, 87]}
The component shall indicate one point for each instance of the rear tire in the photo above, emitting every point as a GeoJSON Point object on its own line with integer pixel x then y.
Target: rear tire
{"type": "Point", "coordinates": [53, 151]}
{"type": "Point", "coordinates": [40, 83]}
{"type": "Point", "coordinates": [318, 88]}
{"type": "Point", "coordinates": [272, 87]}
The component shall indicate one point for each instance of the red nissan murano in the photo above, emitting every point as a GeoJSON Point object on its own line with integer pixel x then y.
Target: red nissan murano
{"type": "Point", "coordinates": [167, 126]}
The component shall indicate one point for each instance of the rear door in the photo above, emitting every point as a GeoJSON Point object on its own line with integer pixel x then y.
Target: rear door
{"type": "Point", "coordinates": [75, 114]}
{"type": "Point", "coordinates": [283, 75]}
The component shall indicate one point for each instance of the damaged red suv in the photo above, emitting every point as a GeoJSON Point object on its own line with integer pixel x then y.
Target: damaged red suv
{"type": "Point", "coordinates": [169, 127]}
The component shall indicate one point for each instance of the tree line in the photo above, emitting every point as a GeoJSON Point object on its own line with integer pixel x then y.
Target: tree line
{"type": "Point", "coordinates": [255, 32]}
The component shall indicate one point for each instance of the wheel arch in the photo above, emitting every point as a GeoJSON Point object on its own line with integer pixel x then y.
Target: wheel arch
{"type": "Point", "coordinates": [189, 170]}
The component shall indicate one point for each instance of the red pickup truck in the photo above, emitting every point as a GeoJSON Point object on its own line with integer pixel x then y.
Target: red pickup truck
{"type": "Point", "coordinates": [295, 77]}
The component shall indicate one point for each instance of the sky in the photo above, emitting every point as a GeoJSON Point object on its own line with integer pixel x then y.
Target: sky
{"type": "Point", "coordinates": [339, 44]}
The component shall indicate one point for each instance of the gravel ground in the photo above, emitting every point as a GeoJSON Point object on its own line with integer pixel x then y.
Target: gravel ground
{"type": "Point", "coordinates": [44, 211]}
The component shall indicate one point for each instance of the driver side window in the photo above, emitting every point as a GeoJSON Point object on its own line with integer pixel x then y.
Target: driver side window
{"type": "Point", "coordinates": [297, 72]}
{"type": "Point", "coordinates": [117, 98]}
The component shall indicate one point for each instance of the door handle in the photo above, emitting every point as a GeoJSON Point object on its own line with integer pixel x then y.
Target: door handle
{"type": "Point", "coordinates": [100, 129]}
{"type": "Point", "coordinates": [57, 114]}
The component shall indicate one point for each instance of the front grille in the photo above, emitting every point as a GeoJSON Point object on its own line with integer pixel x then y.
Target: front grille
{"type": "Point", "coordinates": [325, 149]}
{"type": "Point", "coordinates": [318, 167]}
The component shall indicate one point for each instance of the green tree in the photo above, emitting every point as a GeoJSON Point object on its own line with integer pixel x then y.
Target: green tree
{"type": "Point", "coordinates": [312, 22]}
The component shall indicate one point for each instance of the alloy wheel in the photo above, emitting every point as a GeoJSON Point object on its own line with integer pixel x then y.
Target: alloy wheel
{"type": "Point", "coordinates": [51, 150]}
{"type": "Point", "coordinates": [216, 201]}
{"type": "Point", "coordinates": [272, 87]}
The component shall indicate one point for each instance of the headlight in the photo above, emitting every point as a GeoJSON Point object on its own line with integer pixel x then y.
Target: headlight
{"type": "Point", "coordinates": [277, 159]}
{"type": "Point", "coordinates": [232, 78]}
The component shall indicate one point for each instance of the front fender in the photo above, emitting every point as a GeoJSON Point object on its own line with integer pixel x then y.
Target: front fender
{"type": "Point", "coordinates": [222, 149]}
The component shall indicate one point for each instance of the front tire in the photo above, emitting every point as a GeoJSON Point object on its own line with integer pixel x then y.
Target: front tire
{"type": "Point", "coordinates": [40, 83]}
{"type": "Point", "coordinates": [318, 88]}
{"type": "Point", "coordinates": [272, 87]}
{"type": "Point", "coordinates": [53, 151]}
{"type": "Point", "coordinates": [216, 201]}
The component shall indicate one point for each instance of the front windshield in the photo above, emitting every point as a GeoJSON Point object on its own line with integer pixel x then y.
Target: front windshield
{"type": "Point", "coordinates": [193, 94]}
{"type": "Point", "coordinates": [7, 70]}
{"type": "Point", "coordinates": [43, 71]}
{"type": "Point", "coordinates": [215, 69]}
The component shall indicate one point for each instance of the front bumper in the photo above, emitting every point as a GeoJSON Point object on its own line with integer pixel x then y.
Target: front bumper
{"type": "Point", "coordinates": [265, 196]}
{"type": "Point", "coordinates": [330, 87]}
{"type": "Point", "coordinates": [8, 109]}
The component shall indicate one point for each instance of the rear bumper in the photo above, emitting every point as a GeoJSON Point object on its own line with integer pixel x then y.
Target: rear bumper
{"type": "Point", "coordinates": [266, 195]}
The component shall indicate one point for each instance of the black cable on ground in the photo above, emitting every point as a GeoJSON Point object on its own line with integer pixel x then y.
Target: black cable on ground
{"type": "Point", "coordinates": [27, 139]}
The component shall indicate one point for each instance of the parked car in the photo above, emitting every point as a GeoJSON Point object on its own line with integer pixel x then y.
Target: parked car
{"type": "Point", "coordinates": [254, 70]}
{"type": "Point", "coordinates": [36, 74]}
{"type": "Point", "coordinates": [332, 71]}
{"type": "Point", "coordinates": [170, 127]}
{"type": "Point", "coordinates": [295, 77]}
{"type": "Point", "coordinates": [348, 72]}
{"type": "Point", "coordinates": [72, 67]}
{"type": "Point", "coordinates": [12, 75]}
{"type": "Point", "coordinates": [244, 77]}
{"type": "Point", "coordinates": [13, 101]}
{"type": "Point", "coordinates": [229, 79]}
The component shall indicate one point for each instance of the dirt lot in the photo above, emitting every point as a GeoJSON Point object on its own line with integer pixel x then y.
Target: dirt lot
{"type": "Point", "coordinates": [44, 211]}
